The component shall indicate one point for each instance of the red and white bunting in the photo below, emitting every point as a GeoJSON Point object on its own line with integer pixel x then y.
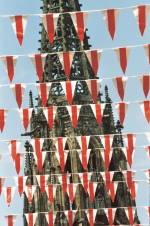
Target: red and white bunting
{"type": "Point", "coordinates": [133, 190]}
{"type": "Point", "coordinates": [69, 89]}
{"type": "Point", "coordinates": [51, 191]}
{"type": "Point", "coordinates": [94, 59]}
{"type": "Point", "coordinates": [98, 110]}
{"type": "Point", "coordinates": [145, 107]}
{"type": "Point", "coordinates": [122, 54]}
{"type": "Point", "coordinates": [40, 159]}
{"type": "Point", "coordinates": [107, 176]}
{"type": "Point", "coordinates": [71, 190]}
{"type": "Point", "coordinates": [14, 147]}
{"type": "Point", "coordinates": [19, 25]}
{"type": "Point", "coordinates": [2, 180]}
{"type": "Point", "coordinates": [60, 145]}
{"type": "Point", "coordinates": [42, 181]}
{"type": "Point", "coordinates": [110, 16]}
{"type": "Point", "coordinates": [66, 59]}
{"type": "Point", "coordinates": [112, 188]}
{"type": "Point", "coordinates": [145, 80]}
{"type": "Point", "coordinates": [74, 111]}
{"type": "Point", "coordinates": [25, 115]}
{"type": "Point", "coordinates": [141, 13]}
{"type": "Point", "coordinates": [18, 162]}
{"type": "Point", "coordinates": [10, 64]}
{"type": "Point", "coordinates": [31, 218]}
{"type": "Point", "coordinates": [64, 182]}
{"type": "Point", "coordinates": [120, 84]}
{"type": "Point", "coordinates": [10, 220]}
{"type": "Point", "coordinates": [70, 214]}
{"type": "Point", "coordinates": [94, 88]}
{"type": "Point", "coordinates": [3, 114]}
{"type": "Point", "coordinates": [147, 51]}
{"type": "Point", "coordinates": [43, 89]}
{"type": "Point", "coordinates": [130, 213]}
{"type": "Point", "coordinates": [91, 214]}
{"type": "Point", "coordinates": [18, 90]}
{"type": "Point", "coordinates": [50, 113]}
{"type": "Point", "coordinates": [128, 175]}
{"type": "Point", "coordinates": [110, 213]}
{"type": "Point", "coordinates": [9, 194]}
{"type": "Point", "coordinates": [84, 180]}
{"type": "Point", "coordinates": [79, 20]}
{"type": "Point", "coordinates": [29, 191]}
{"type": "Point", "coordinates": [50, 24]}
{"type": "Point", "coordinates": [92, 189]}
{"type": "Point", "coordinates": [20, 183]}
{"type": "Point", "coordinates": [50, 217]}
{"type": "Point", "coordinates": [129, 153]}
{"type": "Point", "coordinates": [39, 155]}
{"type": "Point", "coordinates": [107, 141]}
{"type": "Point", "coordinates": [122, 110]}
{"type": "Point", "coordinates": [38, 61]}
{"type": "Point", "coordinates": [84, 143]}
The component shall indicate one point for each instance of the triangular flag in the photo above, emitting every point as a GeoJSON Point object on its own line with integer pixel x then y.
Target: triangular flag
{"type": "Point", "coordinates": [42, 181]}
{"type": "Point", "coordinates": [130, 212]}
{"type": "Point", "coordinates": [20, 183]}
{"type": "Point", "coordinates": [148, 151]}
{"type": "Point", "coordinates": [69, 88]}
{"type": "Point", "coordinates": [19, 25]}
{"type": "Point", "coordinates": [38, 61]}
{"type": "Point", "coordinates": [122, 109]}
{"type": "Point", "coordinates": [110, 16]}
{"type": "Point", "coordinates": [91, 214]}
{"type": "Point", "coordinates": [145, 107]}
{"type": "Point", "coordinates": [18, 90]}
{"type": "Point", "coordinates": [50, 113]}
{"type": "Point", "coordinates": [3, 114]}
{"type": "Point", "coordinates": [14, 146]}
{"type": "Point", "coordinates": [84, 143]}
{"type": "Point", "coordinates": [31, 218]}
{"type": "Point", "coordinates": [60, 147]}
{"type": "Point", "coordinates": [120, 84]}
{"type": "Point", "coordinates": [145, 80]}
{"type": "Point", "coordinates": [70, 214]}
{"type": "Point", "coordinates": [141, 14]}
{"type": "Point", "coordinates": [148, 210]}
{"type": "Point", "coordinates": [71, 191]}
{"type": "Point", "coordinates": [44, 89]}
{"type": "Point", "coordinates": [133, 190]}
{"type": "Point", "coordinates": [112, 187]}
{"type": "Point", "coordinates": [50, 24]}
{"type": "Point", "coordinates": [9, 194]}
{"type": "Point", "coordinates": [92, 189]}
{"type": "Point", "coordinates": [29, 191]}
{"type": "Point", "coordinates": [79, 20]}
{"type": "Point", "coordinates": [94, 88]}
{"type": "Point", "coordinates": [25, 115]}
{"type": "Point", "coordinates": [98, 110]}
{"type": "Point", "coordinates": [51, 190]}
{"type": "Point", "coordinates": [11, 220]}
{"type": "Point", "coordinates": [74, 111]}
{"type": "Point", "coordinates": [94, 59]}
{"type": "Point", "coordinates": [147, 50]}
{"type": "Point", "coordinates": [107, 141]}
{"type": "Point", "coordinates": [50, 217]}
{"type": "Point", "coordinates": [17, 162]}
{"type": "Point", "coordinates": [66, 59]}
{"type": "Point", "coordinates": [110, 213]}
{"type": "Point", "coordinates": [2, 180]}
{"type": "Point", "coordinates": [128, 175]}
{"type": "Point", "coordinates": [10, 64]}
{"type": "Point", "coordinates": [122, 54]}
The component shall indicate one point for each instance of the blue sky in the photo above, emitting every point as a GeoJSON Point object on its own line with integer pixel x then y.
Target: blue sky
{"type": "Point", "coordinates": [127, 33]}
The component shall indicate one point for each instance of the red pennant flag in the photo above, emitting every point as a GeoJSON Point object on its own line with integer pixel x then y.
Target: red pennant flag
{"type": "Point", "coordinates": [122, 54]}
{"type": "Point", "coordinates": [25, 115]}
{"type": "Point", "coordinates": [29, 191]}
{"type": "Point", "coordinates": [50, 23]}
{"type": "Point", "coordinates": [70, 216]}
{"type": "Point", "coordinates": [145, 79]}
{"type": "Point", "coordinates": [122, 109]}
{"type": "Point", "coordinates": [120, 84]}
{"type": "Point", "coordinates": [17, 163]}
{"type": "Point", "coordinates": [64, 183]}
{"type": "Point", "coordinates": [9, 194]}
{"type": "Point", "coordinates": [74, 111]}
{"type": "Point", "coordinates": [128, 176]}
{"type": "Point", "coordinates": [10, 220]}
{"type": "Point", "coordinates": [85, 181]}
{"type": "Point", "coordinates": [130, 140]}
{"type": "Point", "coordinates": [3, 113]}
{"type": "Point", "coordinates": [69, 88]}
{"type": "Point", "coordinates": [66, 59]}
{"type": "Point", "coordinates": [38, 61]}
{"type": "Point", "coordinates": [14, 146]}
{"type": "Point", "coordinates": [148, 151]}
{"type": "Point", "coordinates": [50, 217]}
{"type": "Point", "coordinates": [71, 191]}
{"type": "Point", "coordinates": [37, 146]}
{"type": "Point", "coordinates": [110, 213]}
{"type": "Point", "coordinates": [94, 59]}
{"type": "Point", "coordinates": [145, 107]}
{"type": "Point", "coordinates": [79, 20]}
{"type": "Point", "coordinates": [44, 89]}
{"type": "Point", "coordinates": [61, 152]}
{"type": "Point", "coordinates": [90, 216]}
{"type": "Point", "coordinates": [20, 182]}
{"type": "Point", "coordinates": [10, 64]}
{"type": "Point", "coordinates": [141, 14]}
{"type": "Point", "coordinates": [92, 189]}
{"type": "Point", "coordinates": [18, 90]}
{"type": "Point", "coordinates": [98, 110]}
{"type": "Point", "coordinates": [94, 88]}
{"type": "Point", "coordinates": [133, 190]}
{"type": "Point", "coordinates": [147, 50]}
{"type": "Point", "coordinates": [110, 16]}
{"type": "Point", "coordinates": [84, 151]}
{"type": "Point", "coordinates": [42, 180]}
{"type": "Point", "coordinates": [31, 218]}
{"type": "Point", "coordinates": [51, 190]}
{"type": "Point", "coordinates": [2, 180]}
{"type": "Point", "coordinates": [107, 141]}
{"type": "Point", "coordinates": [50, 113]}
{"type": "Point", "coordinates": [130, 212]}
{"type": "Point", "coordinates": [19, 25]}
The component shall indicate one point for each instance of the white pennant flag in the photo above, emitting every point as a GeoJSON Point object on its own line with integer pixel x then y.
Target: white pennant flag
{"type": "Point", "coordinates": [19, 25]}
